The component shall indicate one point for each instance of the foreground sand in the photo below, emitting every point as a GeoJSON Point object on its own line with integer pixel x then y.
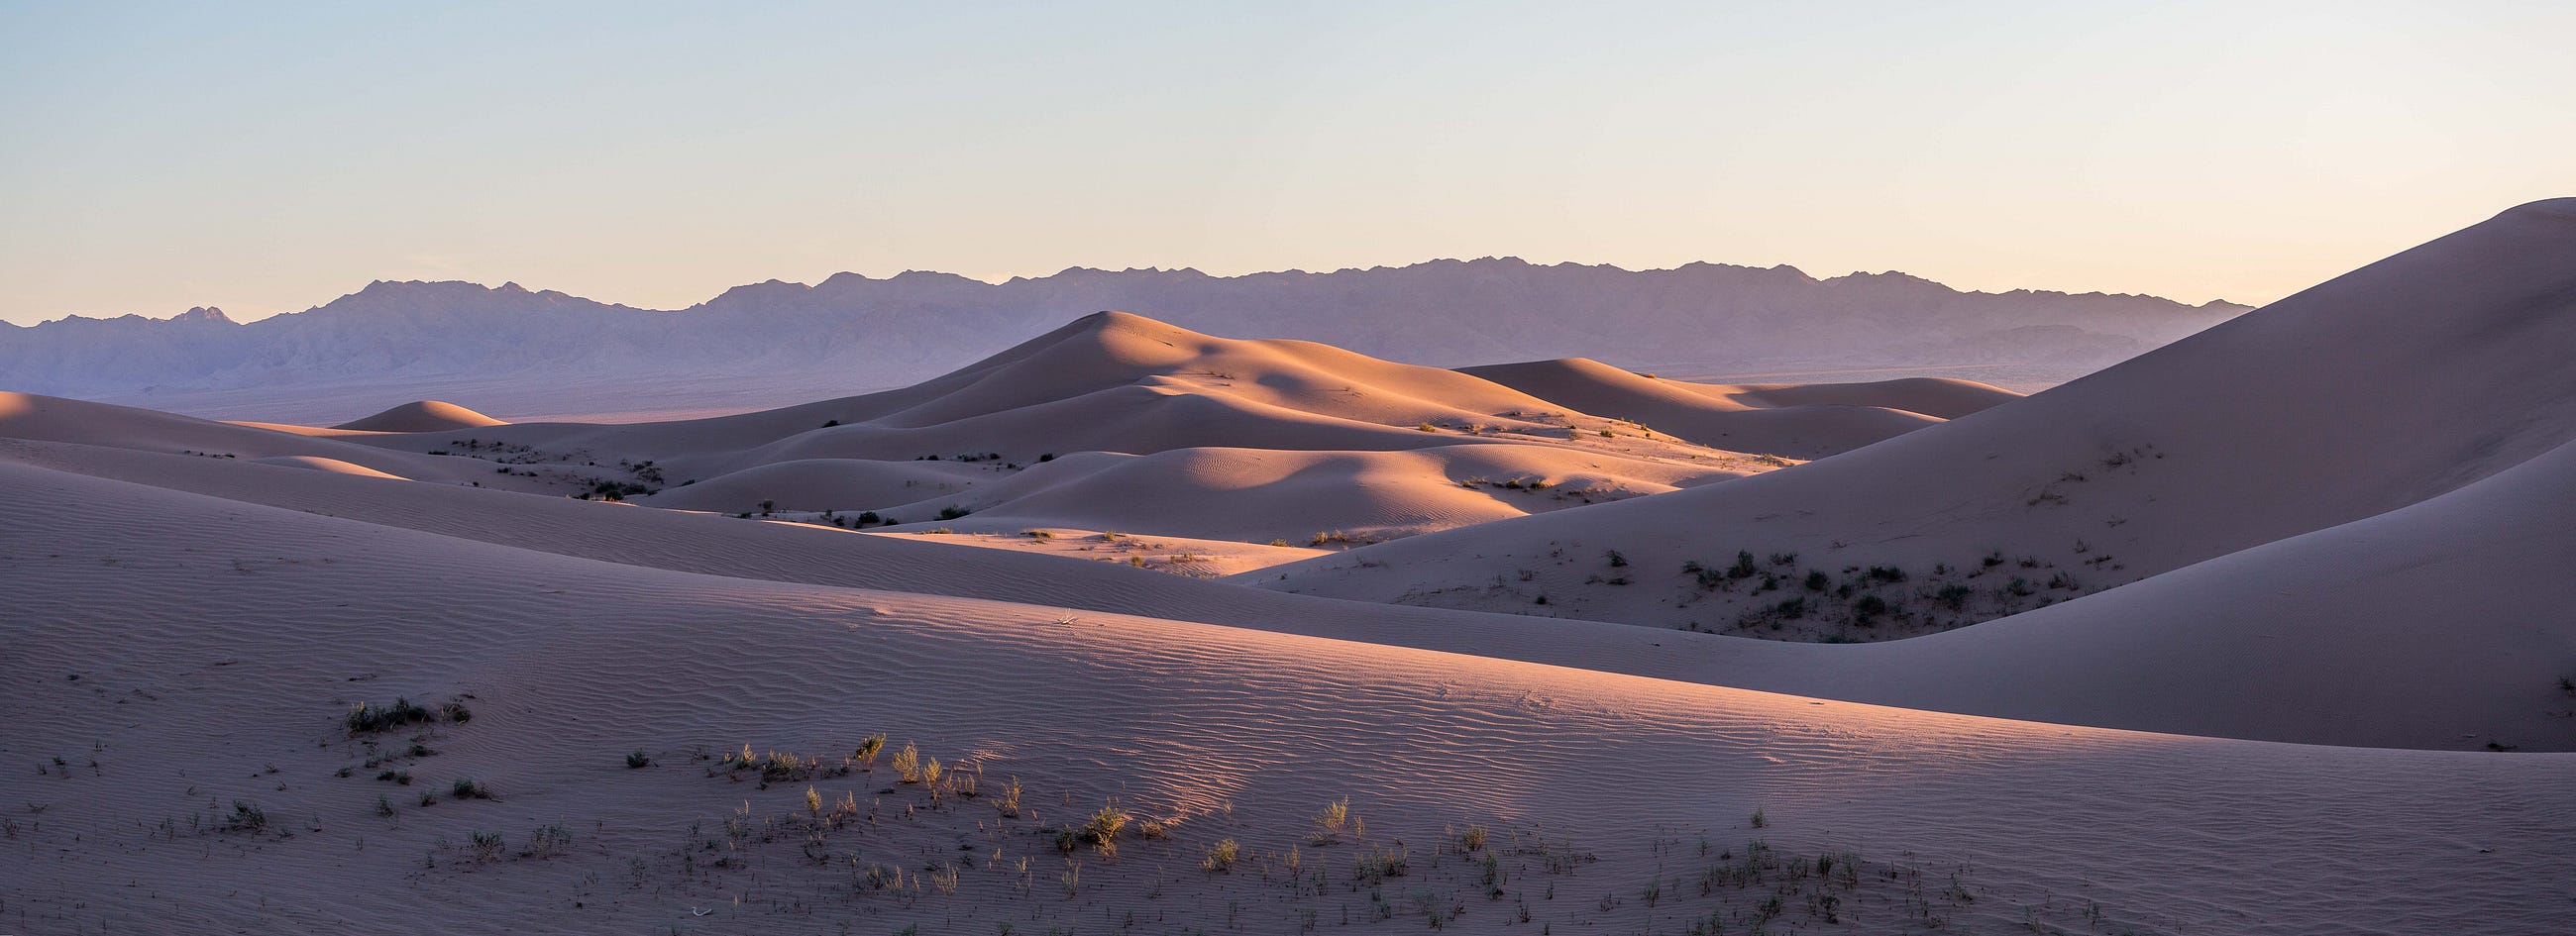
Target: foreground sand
{"type": "Point", "coordinates": [217, 668]}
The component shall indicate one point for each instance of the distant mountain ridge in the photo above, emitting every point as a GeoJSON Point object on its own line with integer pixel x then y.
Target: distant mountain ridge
{"type": "Point", "coordinates": [912, 325]}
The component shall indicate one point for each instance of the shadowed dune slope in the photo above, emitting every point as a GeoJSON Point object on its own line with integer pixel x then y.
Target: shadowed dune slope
{"type": "Point", "coordinates": [1803, 422]}
{"type": "Point", "coordinates": [2393, 384]}
{"type": "Point", "coordinates": [2260, 669]}
{"type": "Point", "coordinates": [227, 657]}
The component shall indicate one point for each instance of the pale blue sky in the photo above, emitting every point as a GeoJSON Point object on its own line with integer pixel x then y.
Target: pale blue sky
{"type": "Point", "coordinates": [267, 158]}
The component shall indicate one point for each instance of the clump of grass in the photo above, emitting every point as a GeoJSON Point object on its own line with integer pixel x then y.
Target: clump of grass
{"type": "Point", "coordinates": [1100, 831]}
{"type": "Point", "coordinates": [1333, 821]}
{"type": "Point", "coordinates": [487, 845]}
{"type": "Point", "coordinates": [638, 760]}
{"type": "Point", "coordinates": [246, 817]}
{"type": "Point", "coordinates": [1760, 820]}
{"type": "Point", "coordinates": [465, 789]}
{"type": "Point", "coordinates": [1220, 857]}
{"type": "Point", "coordinates": [813, 801]}
{"type": "Point", "coordinates": [953, 512]}
{"type": "Point", "coordinates": [866, 754]}
{"type": "Point", "coordinates": [365, 718]}
{"type": "Point", "coordinates": [1009, 802]}
{"type": "Point", "coordinates": [1153, 829]}
{"type": "Point", "coordinates": [907, 763]}
{"type": "Point", "coordinates": [1473, 839]}
{"type": "Point", "coordinates": [931, 772]}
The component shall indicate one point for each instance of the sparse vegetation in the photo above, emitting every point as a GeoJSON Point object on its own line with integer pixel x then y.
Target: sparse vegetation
{"type": "Point", "coordinates": [1221, 857]}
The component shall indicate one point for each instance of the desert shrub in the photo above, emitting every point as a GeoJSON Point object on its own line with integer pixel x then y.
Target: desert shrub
{"type": "Point", "coordinates": [1953, 596]}
{"type": "Point", "coordinates": [1743, 567]}
{"type": "Point", "coordinates": [1330, 823]}
{"type": "Point", "coordinates": [1816, 581]}
{"type": "Point", "coordinates": [549, 840]}
{"type": "Point", "coordinates": [1220, 857]}
{"type": "Point", "coordinates": [638, 760]}
{"type": "Point", "coordinates": [952, 512]}
{"type": "Point", "coordinates": [1473, 839]}
{"type": "Point", "coordinates": [907, 763]}
{"type": "Point", "coordinates": [1009, 802]}
{"type": "Point", "coordinates": [1100, 831]}
{"type": "Point", "coordinates": [246, 817]}
{"type": "Point", "coordinates": [365, 718]}
{"type": "Point", "coordinates": [1617, 560]}
{"type": "Point", "coordinates": [1886, 573]}
{"type": "Point", "coordinates": [465, 788]}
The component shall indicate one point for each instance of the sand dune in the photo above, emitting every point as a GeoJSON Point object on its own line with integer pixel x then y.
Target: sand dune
{"type": "Point", "coordinates": [2393, 384]}
{"type": "Point", "coordinates": [332, 465]}
{"type": "Point", "coordinates": [2333, 523]}
{"type": "Point", "coordinates": [1257, 495]}
{"type": "Point", "coordinates": [1228, 733]}
{"type": "Point", "coordinates": [421, 416]}
{"type": "Point", "coordinates": [1798, 422]}
{"type": "Point", "coordinates": [2026, 676]}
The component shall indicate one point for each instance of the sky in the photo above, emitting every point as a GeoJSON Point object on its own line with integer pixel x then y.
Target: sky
{"type": "Point", "coordinates": [267, 158]}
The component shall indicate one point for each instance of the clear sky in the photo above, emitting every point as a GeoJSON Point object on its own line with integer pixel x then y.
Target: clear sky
{"type": "Point", "coordinates": [268, 158]}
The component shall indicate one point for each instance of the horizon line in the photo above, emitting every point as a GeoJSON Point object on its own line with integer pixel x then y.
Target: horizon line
{"type": "Point", "coordinates": [513, 285]}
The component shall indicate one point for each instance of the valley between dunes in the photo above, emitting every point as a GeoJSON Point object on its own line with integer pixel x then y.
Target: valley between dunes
{"type": "Point", "coordinates": [2259, 632]}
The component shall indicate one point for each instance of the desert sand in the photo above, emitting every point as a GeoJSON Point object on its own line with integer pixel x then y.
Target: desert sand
{"type": "Point", "coordinates": [2254, 633]}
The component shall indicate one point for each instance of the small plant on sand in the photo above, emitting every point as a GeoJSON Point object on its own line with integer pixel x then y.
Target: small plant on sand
{"type": "Point", "coordinates": [638, 760]}
{"type": "Point", "coordinates": [1100, 831]}
{"type": "Point", "coordinates": [1220, 857]}
{"type": "Point", "coordinates": [1333, 821]}
{"type": "Point", "coordinates": [246, 817]}
{"type": "Point", "coordinates": [465, 789]}
{"type": "Point", "coordinates": [487, 845]}
{"type": "Point", "coordinates": [813, 801]}
{"type": "Point", "coordinates": [365, 717]}
{"type": "Point", "coordinates": [866, 754]}
{"type": "Point", "coordinates": [953, 512]}
{"type": "Point", "coordinates": [1759, 819]}
{"type": "Point", "coordinates": [1473, 839]}
{"type": "Point", "coordinates": [549, 840]}
{"type": "Point", "coordinates": [1009, 802]}
{"type": "Point", "coordinates": [930, 774]}
{"type": "Point", "coordinates": [907, 763]}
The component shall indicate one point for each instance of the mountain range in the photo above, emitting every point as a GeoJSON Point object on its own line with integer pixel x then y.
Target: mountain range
{"type": "Point", "coordinates": [868, 332]}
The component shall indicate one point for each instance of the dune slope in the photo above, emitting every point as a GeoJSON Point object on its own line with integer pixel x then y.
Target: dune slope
{"type": "Point", "coordinates": [2393, 384]}
{"type": "Point", "coordinates": [201, 701]}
